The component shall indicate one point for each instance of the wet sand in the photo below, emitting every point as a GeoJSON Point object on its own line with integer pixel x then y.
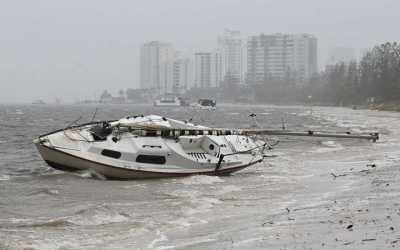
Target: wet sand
{"type": "Point", "coordinates": [352, 198]}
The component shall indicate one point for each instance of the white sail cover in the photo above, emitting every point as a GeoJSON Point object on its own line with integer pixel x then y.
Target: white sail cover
{"type": "Point", "coordinates": [154, 122]}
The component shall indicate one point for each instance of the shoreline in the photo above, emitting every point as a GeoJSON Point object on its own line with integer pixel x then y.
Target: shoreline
{"type": "Point", "coordinates": [394, 107]}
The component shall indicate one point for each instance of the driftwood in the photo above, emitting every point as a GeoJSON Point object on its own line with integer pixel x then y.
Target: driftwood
{"type": "Point", "coordinates": [337, 175]}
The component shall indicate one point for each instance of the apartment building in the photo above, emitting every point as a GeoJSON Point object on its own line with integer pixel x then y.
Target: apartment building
{"type": "Point", "coordinates": [157, 67]}
{"type": "Point", "coordinates": [284, 57]}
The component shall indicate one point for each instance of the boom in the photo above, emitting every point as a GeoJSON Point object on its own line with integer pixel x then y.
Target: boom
{"type": "Point", "coordinates": [374, 136]}
{"type": "Point", "coordinates": [175, 132]}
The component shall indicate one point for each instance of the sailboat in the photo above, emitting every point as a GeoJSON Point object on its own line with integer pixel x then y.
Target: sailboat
{"type": "Point", "coordinates": [154, 146]}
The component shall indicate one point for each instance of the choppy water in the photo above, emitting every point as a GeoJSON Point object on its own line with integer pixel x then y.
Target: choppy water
{"type": "Point", "coordinates": [41, 208]}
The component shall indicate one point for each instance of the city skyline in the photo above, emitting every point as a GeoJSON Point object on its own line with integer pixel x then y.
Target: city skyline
{"type": "Point", "coordinates": [234, 60]}
{"type": "Point", "coordinates": [73, 49]}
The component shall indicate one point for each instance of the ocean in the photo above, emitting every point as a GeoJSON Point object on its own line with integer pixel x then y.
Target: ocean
{"type": "Point", "coordinates": [306, 195]}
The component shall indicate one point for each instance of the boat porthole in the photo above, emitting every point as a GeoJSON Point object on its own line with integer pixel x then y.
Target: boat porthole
{"type": "Point", "coordinates": [211, 147]}
{"type": "Point", "coordinates": [111, 153]}
{"type": "Point", "coordinates": [153, 159]}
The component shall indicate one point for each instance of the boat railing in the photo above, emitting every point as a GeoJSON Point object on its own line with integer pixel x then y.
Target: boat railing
{"type": "Point", "coordinates": [222, 156]}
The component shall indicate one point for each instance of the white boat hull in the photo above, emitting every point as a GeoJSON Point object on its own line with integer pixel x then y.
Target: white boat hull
{"type": "Point", "coordinates": [136, 154]}
{"type": "Point", "coordinates": [63, 161]}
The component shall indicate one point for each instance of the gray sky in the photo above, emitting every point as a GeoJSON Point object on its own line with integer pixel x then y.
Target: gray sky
{"type": "Point", "coordinates": [73, 49]}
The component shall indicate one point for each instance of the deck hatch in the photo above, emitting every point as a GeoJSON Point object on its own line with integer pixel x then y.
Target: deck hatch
{"type": "Point", "coordinates": [153, 159]}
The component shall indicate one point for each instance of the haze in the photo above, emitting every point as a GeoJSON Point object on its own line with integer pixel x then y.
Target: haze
{"type": "Point", "coordinates": [75, 49]}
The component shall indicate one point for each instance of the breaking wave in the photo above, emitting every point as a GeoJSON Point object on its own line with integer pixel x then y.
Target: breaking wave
{"type": "Point", "coordinates": [50, 223]}
{"type": "Point", "coordinates": [99, 215]}
{"type": "Point", "coordinates": [90, 174]}
{"type": "Point", "coordinates": [201, 179]}
{"type": "Point", "coordinates": [328, 146]}
{"type": "Point", "coordinates": [94, 216]}
{"type": "Point", "coordinates": [227, 189]}
{"type": "Point", "coordinates": [4, 177]}
{"type": "Point", "coordinates": [46, 191]}
{"type": "Point", "coordinates": [331, 144]}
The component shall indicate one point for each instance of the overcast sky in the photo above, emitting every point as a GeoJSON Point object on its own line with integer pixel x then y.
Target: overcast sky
{"type": "Point", "coordinates": [73, 49]}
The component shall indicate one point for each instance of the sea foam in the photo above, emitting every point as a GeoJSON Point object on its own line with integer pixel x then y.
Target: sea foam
{"type": "Point", "coordinates": [201, 179]}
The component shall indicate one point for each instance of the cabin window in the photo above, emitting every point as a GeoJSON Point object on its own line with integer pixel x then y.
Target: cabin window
{"type": "Point", "coordinates": [111, 153]}
{"type": "Point", "coordinates": [151, 146]}
{"type": "Point", "coordinates": [211, 147]}
{"type": "Point", "coordinates": [153, 159]}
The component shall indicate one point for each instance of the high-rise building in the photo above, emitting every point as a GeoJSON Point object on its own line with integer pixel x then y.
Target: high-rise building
{"type": "Point", "coordinates": [230, 48]}
{"type": "Point", "coordinates": [286, 57]}
{"type": "Point", "coordinates": [217, 75]}
{"type": "Point", "coordinates": [202, 69]}
{"type": "Point", "coordinates": [207, 69]}
{"type": "Point", "coordinates": [157, 67]}
{"type": "Point", "coordinates": [182, 76]}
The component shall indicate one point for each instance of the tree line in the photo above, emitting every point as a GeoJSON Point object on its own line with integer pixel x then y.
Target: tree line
{"type": "Point", "coordinates": [373, 79]}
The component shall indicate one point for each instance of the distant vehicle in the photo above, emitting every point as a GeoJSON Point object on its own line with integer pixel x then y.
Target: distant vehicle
{"type": "Point", "coordinates": [207, 104]}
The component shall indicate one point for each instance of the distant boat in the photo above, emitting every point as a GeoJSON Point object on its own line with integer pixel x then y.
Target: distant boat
{"type": "Point", "coordinates": [169, 101]}
{"type": "Point", "coordinates": [38, 102]}
{"type": "Point", "coordinates": [207, 104]}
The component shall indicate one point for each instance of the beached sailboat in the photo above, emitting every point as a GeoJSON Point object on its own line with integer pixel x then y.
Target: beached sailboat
{"type": "Point", "coordinates": [154, 146]}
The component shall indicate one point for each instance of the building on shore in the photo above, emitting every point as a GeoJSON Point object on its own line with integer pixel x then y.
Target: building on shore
{"type": "Point", "coordinates": [230, 48]}
{"type": "Point", "coordinates": [182, 75]}
{"type": "Point", "coordinates": [202, 65]}
{"type": "Point", "coordinates": [282, 57]}
{"type": "Point", "coordinates": [157, 61]}
{"type": "Point", "coordinates": [208, 69]}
